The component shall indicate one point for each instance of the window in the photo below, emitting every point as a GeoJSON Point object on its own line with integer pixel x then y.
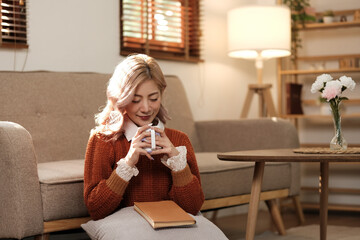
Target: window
{"type": "Point", "coordinates": [164, 29]}
{"type": "Point", "coordinates": [13, 24]}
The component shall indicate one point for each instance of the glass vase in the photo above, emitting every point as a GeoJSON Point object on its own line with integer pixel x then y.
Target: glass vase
{"type": "Point", "coordinates": [338, 142]}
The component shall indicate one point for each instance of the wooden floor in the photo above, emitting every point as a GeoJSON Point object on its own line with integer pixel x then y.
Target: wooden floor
{"type": "Point", "coordinates": [234, 226]}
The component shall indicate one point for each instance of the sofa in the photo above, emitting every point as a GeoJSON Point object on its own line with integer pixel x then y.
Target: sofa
{"type": "Point", "coordinates": [45, 121]}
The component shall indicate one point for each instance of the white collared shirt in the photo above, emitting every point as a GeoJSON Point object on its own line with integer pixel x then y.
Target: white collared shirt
{"type": "Point", "coordinates": [175, 163]}
{"type": "Point", "coordinates": [130, 128]}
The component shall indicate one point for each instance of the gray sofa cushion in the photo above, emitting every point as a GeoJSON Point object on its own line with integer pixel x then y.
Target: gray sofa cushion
{"type": "Point", "coordinates": [225, 179]}
{"type": "Point", "coordinates": [68, 171]}
{"type": "Point", "coordinates": [62, 188]}
{"type": "Point", "coordinates": [120, 225]}
{"type": "Point", "coordinates": [63, 200]}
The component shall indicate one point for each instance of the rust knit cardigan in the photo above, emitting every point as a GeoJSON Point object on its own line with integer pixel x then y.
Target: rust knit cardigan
{"type": "Point", "coordinates": [106, 192]}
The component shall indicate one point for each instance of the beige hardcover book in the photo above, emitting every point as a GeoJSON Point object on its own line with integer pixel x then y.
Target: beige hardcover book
{"type": "Point", "coordinates": [163, 214]}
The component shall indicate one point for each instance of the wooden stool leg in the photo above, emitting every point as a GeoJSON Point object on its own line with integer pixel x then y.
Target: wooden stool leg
{"type": "Point", "coordinates": [262, 106]}
{"type": "Point", "coordinates": [45, 236]}
{"type": "Point", "coordinates": [276, 216]}
{"type": "Point", "coordinates": [269, 103]}
{"type": "Point", "coordinates": [298, 209]}
{"type": "Point", "coordinates": [247, 103]}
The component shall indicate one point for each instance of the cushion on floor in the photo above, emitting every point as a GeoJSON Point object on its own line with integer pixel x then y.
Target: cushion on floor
{"type": "Point", "coordinates": [128, 224]}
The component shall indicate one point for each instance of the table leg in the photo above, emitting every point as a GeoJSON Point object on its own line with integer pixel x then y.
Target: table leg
{"type": "Point", "coordinates": [254, 200]}
{"type": "Point", "coordinates": [276, 216]}
{"type": "Point", "coordinates": [324, 188]}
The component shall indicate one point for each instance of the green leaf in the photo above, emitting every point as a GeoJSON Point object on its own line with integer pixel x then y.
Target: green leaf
{"type": "Point", "coordinates": [322, 100]}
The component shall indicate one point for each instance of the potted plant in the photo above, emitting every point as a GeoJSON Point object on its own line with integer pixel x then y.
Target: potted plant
{"type": "Point", "coordinates": [299, 17]}
{"type": "Point", "coordinates": [328, 16]}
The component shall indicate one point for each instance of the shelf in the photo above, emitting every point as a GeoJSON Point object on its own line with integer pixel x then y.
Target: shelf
{"type": "Point", "coordinates": [289, 72]}
{"type": "Point", "coordinates": [318, 116]}
{"type": "Point", "coordinates": [298, 72]}
{"type": "Point", "coordinates": [315, 26]}
{"type": "Point", "coordinates": [343, 63]}
{"type": "Point", "coordinates": [326, 57]}
{"type": "Point", "coordinates": [313, 102]}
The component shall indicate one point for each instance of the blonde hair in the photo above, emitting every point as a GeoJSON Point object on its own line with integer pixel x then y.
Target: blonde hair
{"type": "Point", "coordinates": [129, 74]}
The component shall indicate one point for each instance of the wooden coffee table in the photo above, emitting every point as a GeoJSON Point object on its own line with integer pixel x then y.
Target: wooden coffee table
{"type": "Point", "coordinates": [286, 155]}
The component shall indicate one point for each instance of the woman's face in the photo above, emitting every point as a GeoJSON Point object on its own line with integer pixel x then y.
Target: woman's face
{"type": "Point", "coordinates": [145, 104]}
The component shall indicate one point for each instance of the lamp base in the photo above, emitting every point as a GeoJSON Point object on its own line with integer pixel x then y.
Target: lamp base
{"type": "Point", "coordinates": [266, 104]}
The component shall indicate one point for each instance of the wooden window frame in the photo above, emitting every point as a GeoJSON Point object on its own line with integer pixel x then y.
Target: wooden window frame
{"type": "Point", "coordinates": [188, 49]}
{"type": "Point", "coordinates": [13, 25]}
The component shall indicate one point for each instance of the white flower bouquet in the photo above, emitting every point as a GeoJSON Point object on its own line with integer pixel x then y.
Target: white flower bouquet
{"type": "Point", "coordinates": [331, 91]}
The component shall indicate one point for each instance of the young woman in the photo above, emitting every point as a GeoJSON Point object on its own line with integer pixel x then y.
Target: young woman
{"type": "Point", "coordinates": [120, 165]}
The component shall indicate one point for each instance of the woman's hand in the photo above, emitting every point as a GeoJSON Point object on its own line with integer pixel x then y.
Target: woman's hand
{"type": "Point", "coordinates": [166, 146]}
{"type": "Point", "coordinates": [138, 145]}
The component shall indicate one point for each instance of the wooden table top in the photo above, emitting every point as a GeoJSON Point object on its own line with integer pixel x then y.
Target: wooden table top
{"type": "Point", "coordinates": [286, 155]}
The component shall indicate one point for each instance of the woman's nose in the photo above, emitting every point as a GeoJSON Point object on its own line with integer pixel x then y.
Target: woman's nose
{"type": "Point", "coordinates": [145, 107]}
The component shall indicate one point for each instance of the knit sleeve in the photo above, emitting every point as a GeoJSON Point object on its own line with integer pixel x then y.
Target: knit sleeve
{"type": "Point", "coordinates": [103, 188]}
{"type": "Point", "coordinates": [186, 189]}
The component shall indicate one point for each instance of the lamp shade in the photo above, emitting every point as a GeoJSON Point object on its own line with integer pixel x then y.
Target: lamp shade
{"type": "Point", "coordinates": [259, 31]}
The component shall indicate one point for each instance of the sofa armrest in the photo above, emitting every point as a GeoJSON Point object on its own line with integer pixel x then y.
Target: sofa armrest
{"type": "Point", "coordinates": [246, 134]}
{"type": "Point", "coordinates": [21, 207]}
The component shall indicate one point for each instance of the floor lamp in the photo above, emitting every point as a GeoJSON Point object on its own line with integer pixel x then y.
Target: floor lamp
{"type": "Point", "coordinates": [259, 33]}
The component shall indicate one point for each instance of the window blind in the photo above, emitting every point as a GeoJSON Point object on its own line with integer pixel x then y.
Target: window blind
{"type": "Point", "coordinates": [164, 29]}
{"type": "Point", "coordinates": [13, 24]}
